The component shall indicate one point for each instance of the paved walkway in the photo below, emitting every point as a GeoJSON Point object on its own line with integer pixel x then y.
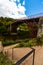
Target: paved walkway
{"type": "Point", "coordinates": [10, 46]}
{"type": "Point", "coordinates": [38, 54]}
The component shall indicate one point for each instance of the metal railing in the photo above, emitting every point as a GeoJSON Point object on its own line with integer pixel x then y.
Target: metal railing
{"type": "Point", "coordinates": [26, 56]}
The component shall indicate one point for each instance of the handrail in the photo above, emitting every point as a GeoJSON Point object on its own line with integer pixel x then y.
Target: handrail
{"type": "Point", "coordinates": [23, 58]}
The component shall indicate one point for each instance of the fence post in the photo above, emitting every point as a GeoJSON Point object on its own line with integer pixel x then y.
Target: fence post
{"type": "Point", "coordinates": [33, 56]}
{"type": "Point", "coordinates": [12, 54]}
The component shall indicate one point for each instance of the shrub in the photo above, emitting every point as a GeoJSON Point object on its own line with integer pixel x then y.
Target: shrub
{"type": "Point", "coordinates": [4, 60]}
{"type": "Point", "coordinates": [21, 44]}
{"type": "Point", "coordinates": [39, 41]}
{"type": "Point", "coordinates": [31, 42]}
{"type": "Point", "coordinates": [10, 42]}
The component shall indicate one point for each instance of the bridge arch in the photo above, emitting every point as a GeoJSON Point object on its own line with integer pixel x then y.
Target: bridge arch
{"type": "Point", "coordinates": [30, 23]}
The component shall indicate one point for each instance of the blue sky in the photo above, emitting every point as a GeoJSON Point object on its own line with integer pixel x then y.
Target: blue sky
{"type": "Point", "coordinates": [34, 7]}
{"type": "Point", "coordinates": [20, 8]}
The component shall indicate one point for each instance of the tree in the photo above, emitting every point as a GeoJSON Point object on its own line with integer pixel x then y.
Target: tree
{"type": "Point", "coordinates": [5, 23]}
{"type": "Point", "coordinates": [23, 27]}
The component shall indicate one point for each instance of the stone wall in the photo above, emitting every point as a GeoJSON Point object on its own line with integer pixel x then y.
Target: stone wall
{"type": "Point", "coordinates": [40, 27]}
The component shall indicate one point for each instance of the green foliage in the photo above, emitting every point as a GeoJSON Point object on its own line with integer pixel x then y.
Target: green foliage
{"type": "Point", "coordinates": [39, 41]}
{"type": "Point", "coordinates": [10, 42]}
{"type": "Point", "coordinates": [4, 23]}
{"type": "Point", "coordinates": [31, 42]}
{"type": "Point", "coordinates": [21, 45]}
{"type": "Point", "coordinates": [23, 27]}
{"type": "Point", "coordinates": [23, 30]}
{"type": "Point", "coordinates": [27, 30]}
{"type": "Point", "coordinates": [4, 60]}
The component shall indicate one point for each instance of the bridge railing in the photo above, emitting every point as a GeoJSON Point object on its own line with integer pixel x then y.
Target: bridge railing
{"type": "Point", "coordinates": [28, 59]}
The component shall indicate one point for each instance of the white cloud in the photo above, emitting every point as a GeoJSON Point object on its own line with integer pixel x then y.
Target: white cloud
{"type": "Point", "coordinates": [14, 0]}
{"type": "Point", "coordinates": [23, 2]}
{"type": "Point", "coordinates": [21, 9]}
{"type": "Point", "coordinates": [9, 8]}
{"type": "Point", "coordinates": [18, 0]}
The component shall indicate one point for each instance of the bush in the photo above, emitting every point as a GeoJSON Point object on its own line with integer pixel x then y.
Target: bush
{"type": "Point", "coordinates": [27, 43]}
{"type": "Point", "coordinates": [4, 60]}
{"type": "Point", "coordinates": [39, 41]}
{"type": "Point", "coordinates": [10, 42]}
{"type": "Point", "coordinates": [21, 45]}
{"type": "Point", "coordinates": [31, 42]}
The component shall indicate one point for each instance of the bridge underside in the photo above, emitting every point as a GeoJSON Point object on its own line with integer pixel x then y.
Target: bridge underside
{"type": "Point", "coordinates": [27, 21]}
{"type": "Point", "coordinates": [30, 22]}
